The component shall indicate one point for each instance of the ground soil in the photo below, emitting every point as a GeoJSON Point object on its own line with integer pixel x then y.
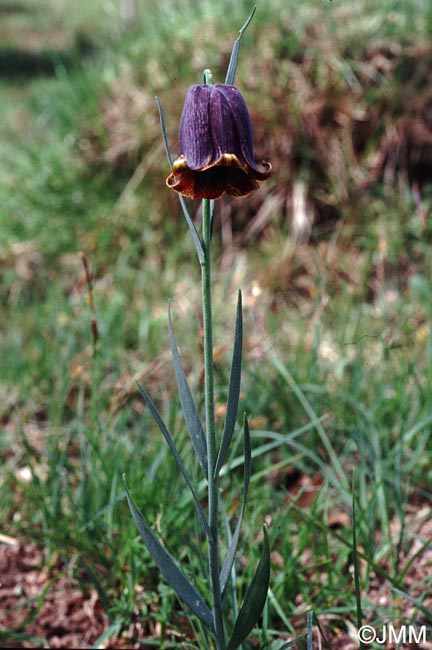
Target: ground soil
{"type": "Point", "coordinates": [46, 607]}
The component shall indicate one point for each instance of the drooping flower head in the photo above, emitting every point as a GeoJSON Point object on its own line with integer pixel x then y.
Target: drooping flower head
{"type": "Point", "coordinates": [216, 146]}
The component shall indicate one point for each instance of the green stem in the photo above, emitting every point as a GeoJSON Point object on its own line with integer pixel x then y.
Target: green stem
{"type": "Point", "coordinates": [213, 494]}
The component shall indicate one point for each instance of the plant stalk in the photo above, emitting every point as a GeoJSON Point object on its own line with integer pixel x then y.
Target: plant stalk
{"type": "Point", "coordinates": [213, 488]}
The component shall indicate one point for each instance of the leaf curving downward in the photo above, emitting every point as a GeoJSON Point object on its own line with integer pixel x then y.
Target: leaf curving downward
{"type": "Point", "coordinates": [169, 568]}
{"type": "Point", "coordinates": [254, 599]}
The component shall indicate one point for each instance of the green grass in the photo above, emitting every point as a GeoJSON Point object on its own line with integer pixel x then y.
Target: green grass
{"type": "Point", "coordinates": [337, 373]}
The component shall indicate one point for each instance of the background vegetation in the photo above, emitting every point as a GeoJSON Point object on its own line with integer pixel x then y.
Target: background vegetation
{"type": "Point", "coordinates": [333, 256]}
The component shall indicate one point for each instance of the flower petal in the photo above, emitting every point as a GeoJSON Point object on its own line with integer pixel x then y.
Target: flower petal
{"type": "Point", "coordinates": [224, 132]}
{"type": "Point", "coordinates": [241, 118]}
{"type": "Point", "coordinates": [195, 132]}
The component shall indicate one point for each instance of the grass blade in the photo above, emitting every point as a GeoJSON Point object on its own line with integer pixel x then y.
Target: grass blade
{"type": "Point", "coordinates": [169, 568]}
{"type": "Point", "coordinates": [254, 599]}
{"type": "Point", "coordinates": [415, 601]}
{"type": "Point", "coordinates": [190, 412]}
{"type": "Point", "coordinates": [233, 388]}
{"type": "Point", "coordinates": [227, 566]}
{"type": "Point", "coordinates": [166, 434]}
{"type": "Point", "coordinates": [339, 473]}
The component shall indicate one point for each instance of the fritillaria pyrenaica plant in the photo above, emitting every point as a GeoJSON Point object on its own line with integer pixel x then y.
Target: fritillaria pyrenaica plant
{"type": "Point", "coordinates": [216, 156]}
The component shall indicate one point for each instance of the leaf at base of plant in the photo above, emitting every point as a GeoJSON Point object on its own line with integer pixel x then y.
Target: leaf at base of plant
{"type": "Point", "coordinates": [169, 568]}
{"type": "Point", "coordinates": [254, 600]}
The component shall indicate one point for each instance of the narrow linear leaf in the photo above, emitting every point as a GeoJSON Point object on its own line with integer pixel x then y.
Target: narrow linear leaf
{"type": "Point", "coordinates": [164, 133]}
{"type": "Point", "coordinates": [309, 628]}
{"type": "Point", "coordinates": [196, 239]}
{"type": "Point", "coordinates": [356, 562]}
{"type": "Point", "coordinates": [166, 434]}
{"type": "Point", "coordinates": [190, 412]}
{"type": "Point", "coordinates": [169, 568]}
{"type": "Point", "coordinates": [254, 600]}
{"type": "Point", "coordinates": [227, 566]}
{"type": "Point", "coordinates": [232, 67]}
{"type": "Point", "coordinates": [325, 643]}
{"type": "Point", "coordinates": [415, 601]}
{"type": "Point", "coordinates": [193, 231]}
{"type": "Point", "coordinates": [233, 388]}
